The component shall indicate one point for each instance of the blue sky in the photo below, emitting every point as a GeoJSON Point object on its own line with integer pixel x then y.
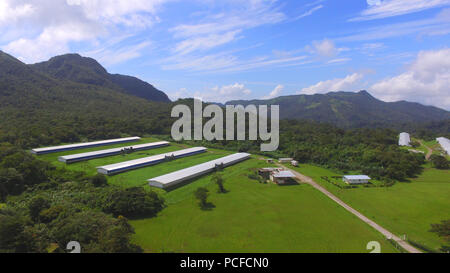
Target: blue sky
{"type": "Point", "coordinates": [246, 49]}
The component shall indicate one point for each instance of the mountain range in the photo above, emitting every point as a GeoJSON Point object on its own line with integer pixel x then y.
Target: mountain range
{"type": "Point", "coordinates": [73, 87]}
{"type": "Point", "coordinates": [350, 109]}
{"type": "Point", "coordinates": [79, 69]}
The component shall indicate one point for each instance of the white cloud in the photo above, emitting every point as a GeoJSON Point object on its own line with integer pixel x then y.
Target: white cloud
{"type": "Point", "coordinates": [309, 12]}
{"type": "Point", "coordinates": [109, 57]}
{"type": "Point", "coordinates": [205, 42]}
{"type": "Point", "coordinates": [10, 13]}
{"type": "Point", "coordinates": [437, 25]}
{"type": "Point", "coordinates": [275, 92]}
{"type": "Point", "coordinates": [220, 94]}
{"type": "Point", "coordinates": [217, 29]}
{"type": "Point", "coordinates": [46, 28]}
{"type": "Point", "coordinates": [339, 60]}
{"type": "Point", "coordinates": [325, 48]}
{"type": "Point", "coordinates": [349, 83]}
{"type": "Point", "coordinates": [426, 81]}
{"type": "Point", "coordinates": [378, 9]}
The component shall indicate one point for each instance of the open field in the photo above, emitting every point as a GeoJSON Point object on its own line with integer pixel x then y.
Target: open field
{"type": "Point", "coordinates": [405, 208]}
{"type": "Point", "coordinates": [254, 217]}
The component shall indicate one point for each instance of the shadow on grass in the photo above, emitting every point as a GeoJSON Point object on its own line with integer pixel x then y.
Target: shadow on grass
{"type": "Point", "coordinates": [207, 206]}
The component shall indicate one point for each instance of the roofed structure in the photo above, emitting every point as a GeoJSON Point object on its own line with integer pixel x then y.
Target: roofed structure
{"type": "Point", "coordinates": [174, 178]}
{"type": "Point", "coordinates": [147, 161]}
{"type": "Point", "coordinates": [47, 150]}
{"type": "Point", "coordinates": [110, 152]}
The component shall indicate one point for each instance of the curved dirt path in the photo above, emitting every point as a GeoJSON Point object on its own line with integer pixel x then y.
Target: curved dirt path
{"type": "Point", "coordinates": [430, 151]}
{"type": "Point", "coordinates": [379, 228]}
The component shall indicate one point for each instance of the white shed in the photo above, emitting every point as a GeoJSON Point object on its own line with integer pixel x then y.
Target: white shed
{"type": "Point", "coordinates": [404, 139]}
{"type": "Point", "coordinates": [285, 160]}
{"type": "Point", "coordinates": [356, 179]}
{"type": "Point", "coordinates": [445, 144]}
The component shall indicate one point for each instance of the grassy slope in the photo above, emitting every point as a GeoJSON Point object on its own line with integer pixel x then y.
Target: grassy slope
{"type": "Point", "coordinates": [254, 217]}
{"type": "Point", "coordinates": [405, 208]}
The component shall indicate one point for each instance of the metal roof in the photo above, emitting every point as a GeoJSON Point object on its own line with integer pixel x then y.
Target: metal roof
{"type": "Point", "coordinates": [176, 177]}
{"type": "Point", "coordinates": [137, 163]}
{"type": "Point", "coordinates": [284, 174]}
{"type": "Point", "coordinates": [445, 144]}
{"type": "Point", "coordinates": [357, 177]}
{"type": "Point", "coordinates": [82, 145]}
{"type": "Point", "coordinates": [404, 139]}
{"type": "Point", "coordinates": [110, 152]}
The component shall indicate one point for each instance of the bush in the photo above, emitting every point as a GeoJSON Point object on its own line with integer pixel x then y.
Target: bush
{"type": "Point", "coordinates": [99, 180]}
{"type": "Point", "coordinates": [439, 162]}
{"type": "Point", "coordinates": [133, 202]}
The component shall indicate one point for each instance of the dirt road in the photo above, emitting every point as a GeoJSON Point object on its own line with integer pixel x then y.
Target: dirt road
{"type": "Point", "coordinates": [379, 228]}
{"type": "Point", "coordinates": [430, 151]}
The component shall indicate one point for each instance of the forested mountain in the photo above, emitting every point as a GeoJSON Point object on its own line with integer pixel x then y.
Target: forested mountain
{"type": "Point", "coordinates": [350, 110]}
{"type": "Point", "coordinates": [37, 108]}
{"type": "Point", "coordinates": [73, 67]}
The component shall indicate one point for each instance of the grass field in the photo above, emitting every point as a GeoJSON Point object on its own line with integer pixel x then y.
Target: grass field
{"type": "Point", "coordinates": [405, 208]}
{"type": "Point", "coordinates": [254, 217]}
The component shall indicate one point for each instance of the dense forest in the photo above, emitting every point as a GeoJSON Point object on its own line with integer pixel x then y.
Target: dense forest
{"type": "Point", "coordinates": [49, 207]}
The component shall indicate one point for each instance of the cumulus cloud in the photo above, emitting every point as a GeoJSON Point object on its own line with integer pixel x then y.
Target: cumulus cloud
{"type": "Point", "coordinates": [275, 92]}
{"type": "Point", "coordinates": [219, 94]}
{"type": "Point", "coordinates": [48, 27]}
{"type": "Point", "coordinates": [378, 9]}
{"type": "Point", "coordinates": [349, 83]}
{"type": "Point", "coordinates": [426, 81]}
{"type": "Point", "coordinates": [324, 48]}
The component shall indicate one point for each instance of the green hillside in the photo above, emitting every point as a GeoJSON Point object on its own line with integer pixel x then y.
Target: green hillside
{"type": "Point", "coordinates": [348, 109]}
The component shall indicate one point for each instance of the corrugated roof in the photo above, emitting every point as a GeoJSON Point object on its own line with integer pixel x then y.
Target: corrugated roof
{"type": "Point", "coordinates": [109, 152]}
{"type": "Point", "coordinates": [284, 174]}
{"type": "Point", "coordinates": [356, 177]}
{"type": "Point", "coordinates": [445, 144]}
{"type": "Point", "coordinates": [83, 145]}
{"type": "Point", "coordinates": [173, 178]}
{"type": "Point", "coordinates": [148, 160]}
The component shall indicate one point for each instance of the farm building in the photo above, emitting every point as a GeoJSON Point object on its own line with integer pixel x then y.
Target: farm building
{"type": "Point", "coordinates": [174, 178]}
{"type": "Point", "coordinates": [282, 177]}
{"type": "Point", "coordinates": [285, 160]}
{"type": "Point", "coordinates": [269, 160]}
{"type": "Point", "coordinates": [356, 179]}
{"type": "Point", "coordinates": [110, 152]}
{"type": "Point", "coordinates": [266, 172]}
{"type": "Point", "coordinates": [294, 163]}
{"type": "Point", "coordinates": [445, 144]}
{"type": "Point", "coordinates": [404, 139]}
{"type": "Point", "coordinates": [147, 161]}
{"type": "Point", "coordinates": [47, 150]}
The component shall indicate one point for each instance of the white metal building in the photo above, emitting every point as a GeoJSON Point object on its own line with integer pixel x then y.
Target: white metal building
{"type": "Point", "coordinates": [147, 161]}
{"type": "Point", "coordinates": [110, 152]}
{"type": "Point", "coordinates": [285, 160]}
{"type": "Point", "coordinates": [445, 144]}
{"type": "Point", "coordinates": [47, 150]}
{"type": "Point", "coordinates": [404, 139]}
{"type": "Point", "coordinates": [174, 178]}
{"type": "Point", "coordinates": [356, 179]}
{"type": "Point", "coordinates": [282, 177]}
